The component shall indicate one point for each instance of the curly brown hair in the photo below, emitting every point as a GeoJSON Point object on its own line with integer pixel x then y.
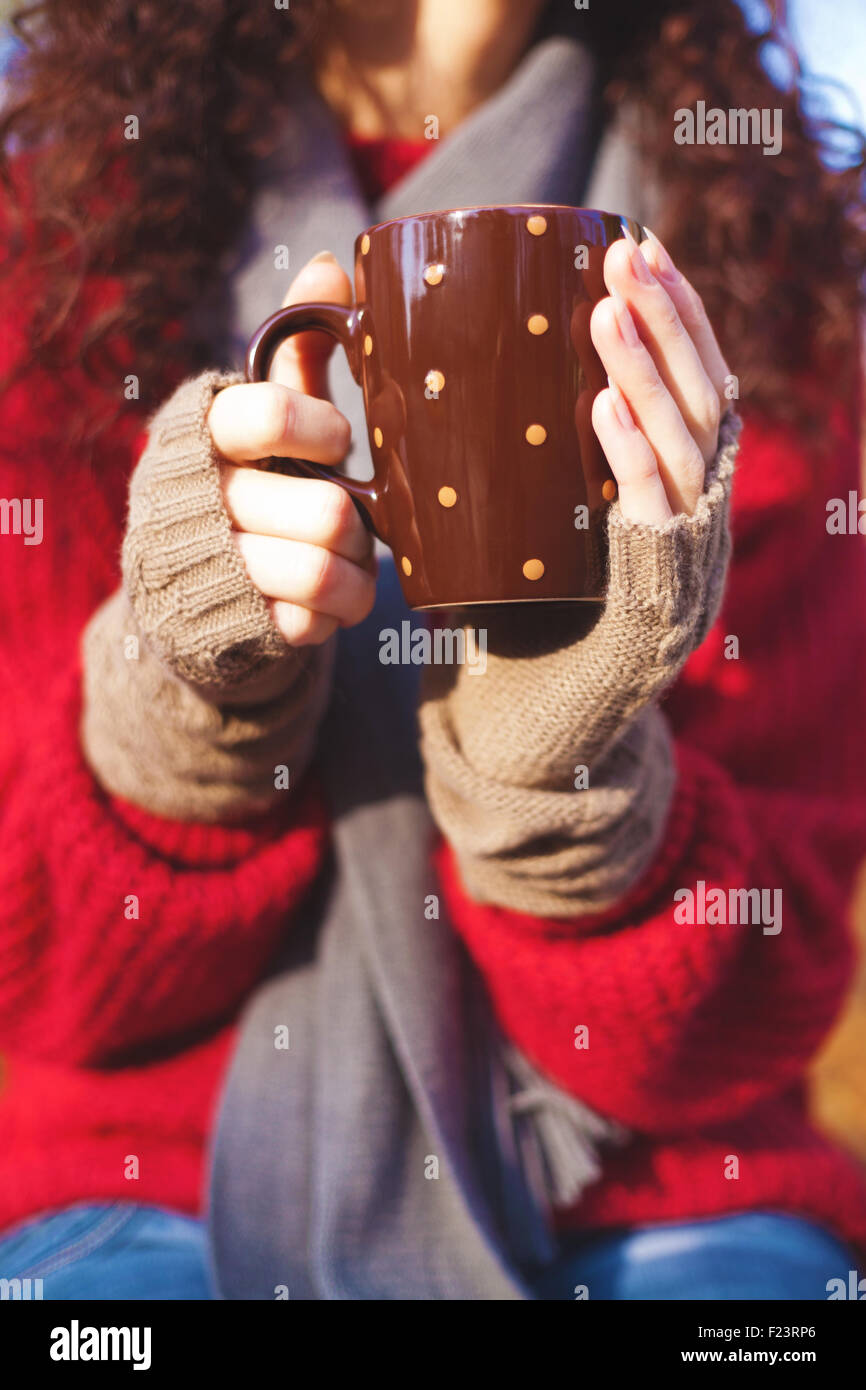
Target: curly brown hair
{"type": "Point", "coordinates": [775, 246]}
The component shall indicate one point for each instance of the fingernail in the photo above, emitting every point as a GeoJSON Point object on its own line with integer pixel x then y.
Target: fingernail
{"type": "Point", "coordinates": [664, 265]}
{"type": "Point", "coordinates": [623, 414]}
{"type": "Point", "coordinates": [627, 330]}
{"type": "Point", "coordinates": [639, 267]}
{"type": "Point", "coordinates": [323, 256]}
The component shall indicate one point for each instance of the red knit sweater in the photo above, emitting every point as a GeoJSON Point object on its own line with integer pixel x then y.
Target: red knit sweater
{"type": "Point", "coordinates": [128, 943]}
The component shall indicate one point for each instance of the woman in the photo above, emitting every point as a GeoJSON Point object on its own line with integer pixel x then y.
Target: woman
{"type": "Point", "coordinates": [190, 810]}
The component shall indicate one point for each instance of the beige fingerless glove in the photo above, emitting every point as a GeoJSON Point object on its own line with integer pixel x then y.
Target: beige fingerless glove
{"type": "Point", "coordinates": [192, 698]}
{"type": "Point", "coordinates": [568, 688]}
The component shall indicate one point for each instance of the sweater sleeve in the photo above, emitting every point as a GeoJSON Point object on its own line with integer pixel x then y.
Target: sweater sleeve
{"type": "Point", "coordinates": [194, 706]}
{"type": "Point", "coordinates": [121, 929]}
{"type": "Point", "coordinates": [552, 773]}
{"type": "Point", "coordinates": [124, 933]}
{"type": "Point", "coordinates": [674, 1011]}
{"type": "Point", "coordinates": [709, 985]}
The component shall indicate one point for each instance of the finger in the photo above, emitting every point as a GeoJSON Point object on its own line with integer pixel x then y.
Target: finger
{"type": "Point", "coordinates": [642, 495]}
{"type": "Point", "coordinates": [690, 308]}
{"type": "Point", "coordinates": [301, 361]}
{"type": "Point", "coordinates": [295, 509]}
{"type": "Point", "coordinates": [260, 419]}
{"type": "Point", "coordinates": [307, 575]}
{"type": "Point", "coordinates": [302, 627]}
{"type": "Point", "coordinates": [654, 409]}
{"type": "Point", "coordinates": [668, 342]}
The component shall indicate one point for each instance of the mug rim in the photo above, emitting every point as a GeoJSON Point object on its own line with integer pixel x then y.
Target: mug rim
{"type": "Point", "coordinates": [492, 207]}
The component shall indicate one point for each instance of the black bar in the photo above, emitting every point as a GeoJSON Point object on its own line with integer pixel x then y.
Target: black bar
{"type": "Point", "coordinates": [253, 1340]}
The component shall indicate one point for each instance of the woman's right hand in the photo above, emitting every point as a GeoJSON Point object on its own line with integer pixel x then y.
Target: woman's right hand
{"type": "Point", "coordinates": [302, 541]}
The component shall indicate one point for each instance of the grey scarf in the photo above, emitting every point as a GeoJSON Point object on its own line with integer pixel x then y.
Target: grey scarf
{"type": "Point", "coordinates": [400, 1148]}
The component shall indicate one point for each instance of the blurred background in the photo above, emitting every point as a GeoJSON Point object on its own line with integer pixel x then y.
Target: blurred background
{"type": "Point", "coordinates": [830, 39]}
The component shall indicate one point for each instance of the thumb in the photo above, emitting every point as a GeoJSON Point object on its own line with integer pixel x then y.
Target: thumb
{"type": "Point", "coordinates": [301, 361]}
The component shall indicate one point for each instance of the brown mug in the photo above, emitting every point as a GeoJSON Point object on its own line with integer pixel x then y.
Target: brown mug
{"type": "Point", "coordinates": [470, 340]}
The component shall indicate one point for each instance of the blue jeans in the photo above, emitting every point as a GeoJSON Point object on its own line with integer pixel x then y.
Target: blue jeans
{"type": "Point", "coordinates": [751, 1256]}
{"type": "Point", "coordinates": [109, 1251]}
{"type": "Point", "coordinates": [119, 1251]}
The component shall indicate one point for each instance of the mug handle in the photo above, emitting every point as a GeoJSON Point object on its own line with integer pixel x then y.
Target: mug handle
{"type": "Point", "coordinates": [344, 325]}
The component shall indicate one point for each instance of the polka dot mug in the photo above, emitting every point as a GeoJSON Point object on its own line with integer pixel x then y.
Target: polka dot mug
{"type": "Point", "coordinates": [469, 337]}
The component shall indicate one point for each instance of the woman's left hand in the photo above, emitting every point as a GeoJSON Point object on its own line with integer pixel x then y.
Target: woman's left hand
{"type": "Point", "coordinates": [658, 423]}
{"type": "Point", "coordinates": [573, 690]}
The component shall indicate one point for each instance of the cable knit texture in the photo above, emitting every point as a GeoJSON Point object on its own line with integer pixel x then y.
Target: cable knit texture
{"type": "Point", "coordinates": [503, 750]}
{"type": "Point", "coordinates": [173, 661]}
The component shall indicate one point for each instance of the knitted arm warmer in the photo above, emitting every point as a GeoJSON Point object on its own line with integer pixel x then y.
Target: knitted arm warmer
{"type": "Point", "coordinates": [192, 698]}
{"type": "Point", "coordinates": [551, 774]}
